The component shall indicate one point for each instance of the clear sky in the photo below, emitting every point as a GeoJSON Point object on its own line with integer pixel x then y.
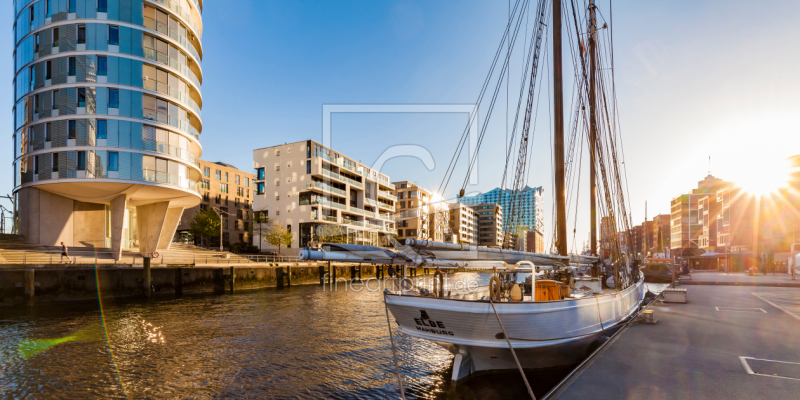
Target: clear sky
{"type": "Point", "coordinates": [694, 79]}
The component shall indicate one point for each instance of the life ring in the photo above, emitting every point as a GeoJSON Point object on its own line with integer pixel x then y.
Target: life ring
{"type": "Point", "coordinates": [154, 254]}
{"type": "Point", "coordinates": [494, 288]}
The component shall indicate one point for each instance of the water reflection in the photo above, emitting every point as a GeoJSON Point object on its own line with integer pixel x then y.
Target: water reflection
{"type": "Point", "coordinates": [294, 342]}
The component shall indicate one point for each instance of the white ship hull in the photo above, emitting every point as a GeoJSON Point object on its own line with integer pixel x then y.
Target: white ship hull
{"type": "Point", "coordinates": [544, 334]}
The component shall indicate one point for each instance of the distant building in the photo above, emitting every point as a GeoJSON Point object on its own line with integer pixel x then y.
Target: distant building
{"type": "Point", "coordinates": [322, 195]}
{"type": "Point", "coordinates": [661, 233]}
{"type": "Point", "coordinates": [534, 242]}
{"type": "Point", "coordinates": [439, 222]}
{"type": "Point", "coordinates": [490, 224]}
{"type": "Point", "coordinates": [464, 224]}
{"type": "Point", "coordinates": [411, 215]}
{"type": "Point", "coordinates": [687, 225]}
{"type": "Point", "coordinates": [532, 206]}
{"type": "Point", "coordinates": [228, 190]}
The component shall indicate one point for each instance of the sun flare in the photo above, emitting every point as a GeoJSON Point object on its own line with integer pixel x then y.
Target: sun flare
{"type": "Point", "coordinates": [765, 176]}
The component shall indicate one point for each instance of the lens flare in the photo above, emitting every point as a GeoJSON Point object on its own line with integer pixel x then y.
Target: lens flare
{"type": "Point", "coordinates": [765, 176]}
{"type": "Point", "coordinates": [105, 327]}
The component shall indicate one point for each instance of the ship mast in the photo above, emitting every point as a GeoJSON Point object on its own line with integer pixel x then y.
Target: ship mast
{"type": "Point", "coordinates": [592, 127]}
{"type": "Point", "coordinates": [558, 134]}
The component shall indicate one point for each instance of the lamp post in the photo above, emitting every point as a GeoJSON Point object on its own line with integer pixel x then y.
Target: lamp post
{"type": "Point", "coordinates": [220, 212]}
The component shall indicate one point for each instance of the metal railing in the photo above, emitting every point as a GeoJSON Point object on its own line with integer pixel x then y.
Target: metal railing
{"type": "Point", "coordinates": [150, 175]}
{"type": "Point", "coordinates": [325, 187]}
{"type": "Point", "coordinates": [175, 7]}
{"type": "Point", "coordinates": [29, 257]}
{"type": "Point", "coordinates": [387, 194]}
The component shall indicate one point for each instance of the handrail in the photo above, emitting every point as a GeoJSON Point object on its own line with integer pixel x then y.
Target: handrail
{"type": "Point", "coordinates": [88, 256]}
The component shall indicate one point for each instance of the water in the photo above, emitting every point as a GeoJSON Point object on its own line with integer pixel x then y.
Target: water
{"type": "Point", "coordinates": [298, 342]}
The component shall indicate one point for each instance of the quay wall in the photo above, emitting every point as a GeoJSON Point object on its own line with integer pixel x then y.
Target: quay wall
{"type": "Point", "coordinates": [49, 284]}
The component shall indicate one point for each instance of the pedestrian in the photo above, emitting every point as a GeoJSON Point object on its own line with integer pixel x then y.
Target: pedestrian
{"type": "Point", "coordinates": [64, 253]}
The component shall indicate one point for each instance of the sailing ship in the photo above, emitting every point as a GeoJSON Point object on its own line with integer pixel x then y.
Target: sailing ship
{"type": "Point", "coordinates": [539, 310]}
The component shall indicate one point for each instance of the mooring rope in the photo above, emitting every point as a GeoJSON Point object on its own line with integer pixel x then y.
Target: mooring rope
{"type": "Point", "coordinates": [394, 352]}
{"type": "Point", "coordinates": [513, 353]}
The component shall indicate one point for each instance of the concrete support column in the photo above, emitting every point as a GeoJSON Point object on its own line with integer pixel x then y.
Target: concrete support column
{"type": "Point", "coordinates": [118, 206]}
{"type": "Point", "coordinates": [30, 284]}
{"type": "Point", "coordinates": [150, 220]}
{"type": "Point", "coordinates": [171, 223]}
{"type": "Point", "coordinates": [147, 286]}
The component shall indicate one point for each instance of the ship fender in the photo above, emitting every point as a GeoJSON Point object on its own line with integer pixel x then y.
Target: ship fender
{"type": "Point", "coordinates": [462, 367]}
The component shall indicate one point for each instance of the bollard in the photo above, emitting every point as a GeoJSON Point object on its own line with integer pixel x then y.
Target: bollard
{"type": "Point", "coordinates": [233, 279]}
{"type": "Point", "coordinates": [289, 275]}
{"type": "Point", "coordinates": [378, 272]}
{"type": "Point", "coordinates": [279, 276]}
{"type": "Point", "coordinates": [147, 286]}
{"type": "Point", "coordinates": [29, 285]}
{"type": "Point", "coordinates": [352, 273]}
{"type": "Point", "coordinates": [178, 281]}
{"type": "Point", "coordinates": [321, 275]}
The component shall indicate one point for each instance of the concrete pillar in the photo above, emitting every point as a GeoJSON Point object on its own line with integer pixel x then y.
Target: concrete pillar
{"type": "Point", "coordinates": [232, 279]}
{"type": "Point", "coordinates": [29, 285]}
{"type": "Point", "coordinates": [150, 221]}
{"type": "Point", "coordinates": [147, 286]}
{"type": "Point", "coordinates": [171, 223]}
{"type": "Point", "coordinates": [118, 206]}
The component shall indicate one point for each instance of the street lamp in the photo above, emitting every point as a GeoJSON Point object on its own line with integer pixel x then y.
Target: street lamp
{"type": "Point", "coordinates": [220, 212]}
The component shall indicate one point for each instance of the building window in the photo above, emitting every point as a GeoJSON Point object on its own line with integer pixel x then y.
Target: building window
{"type": "Point", "coordinates": [113, 98]}
{"type": "Point", "coordinates": [236, 179]}
{"type": "Point", "coordinates": [113, 161]}
{"type": "Point", "coordinates": [260, 188]}
{"type": "Point", "coordinates": [48, 70]}
{"type": "Point", "coordinates": [102, 6]}
{"type": "Point", "coordinates": [81, 161]}
{"type": "Point", "coordinates": [226, 177]}
{"type": "Point", "coordinates": [47, 132]}
{"type": "Point", "coordinates": [308, 166]}
{"type": "Point", "coordinates": [35, 165]}
{"type": "Point", "coordinates": [36, 43]}
{"type": "Point", "coordinates": [71, 6]}
{"type": "Point", "coordinates": [260, 174]}
{"type": "Point", "coordinates": [102, 129]}
{"type": "Point", "coordinates": [207, 172]}
{"type": "Point", "coordinates": [247, 182]}
{"type": "Point", "coordinates": [47, 8]}
{"type": "Point", "coordinates": [102, 66]}
{"type": "Point", "coordinates": [223, 188]}
{"type": "Point", "coordinates": [113, 35]}
{"type": "Point", "coordinates": [71, 66]}
{"type": "Point", "coordinates": [81, 97]}
{"type": "Point", "coordinates": [55, 162]}
{"type": "Point", "coordinates": [54, 100]}
{"type": "Point", "coordinates": [218, 174]}
{"type": "Point", "coordinates": [71, 129]}
{"type": "Point", "coordinates": [81, 34]}
{"type": "Point", "coordinates": [32, 73]}
{"type": "Point", "coordinates": [55, 37]}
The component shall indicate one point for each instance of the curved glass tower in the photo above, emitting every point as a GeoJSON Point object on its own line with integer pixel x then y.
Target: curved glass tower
{"type": "Point", "coordinates": [106, 120]}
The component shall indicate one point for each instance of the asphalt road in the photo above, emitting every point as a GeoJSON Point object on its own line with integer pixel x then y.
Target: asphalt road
{"type": "Point", "coordinates": [694, 351]}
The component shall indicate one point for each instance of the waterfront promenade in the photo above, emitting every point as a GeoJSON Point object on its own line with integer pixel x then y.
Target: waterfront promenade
{"type": "Point", "coordinates": [740, 278]}
{"type": "Point", "coordinates": [726, 342]}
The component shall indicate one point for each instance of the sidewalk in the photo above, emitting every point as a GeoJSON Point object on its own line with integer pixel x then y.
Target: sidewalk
{"type": "Point", "coordinates": [740, 279]}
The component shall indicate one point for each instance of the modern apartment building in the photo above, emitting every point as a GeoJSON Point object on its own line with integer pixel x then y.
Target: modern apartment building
{"type": "Point", "coordinates": [412, 214]}
{"type": "Point", "coordinates": [490, 224]}
{"type": "Point", "coordinates": [322, 195]}
{"type": "Point", "coordinates": [534, 242]}
{"type": "Point", "coordinates": [230, 192]}
{"type": "Point", "coordinates": [532, 205]}
{"type": "Point", "coordinates": [661, 233]}
{"type": "Point", "coordinates": [106, 117]}
{"type": "Point", "coordinates": [439, 222]}
{"type": "Point", "coordinates": [464, 224]}
{"type": "Point", "coordinates": [687, 225]}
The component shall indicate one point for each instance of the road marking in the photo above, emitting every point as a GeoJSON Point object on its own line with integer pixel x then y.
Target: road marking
{"type": "Point", "coordinates": [750, 371]}
{"type": "Point", "coordinates": [777, 306]}
{"type": "Point", "coordinates": [740, 309]}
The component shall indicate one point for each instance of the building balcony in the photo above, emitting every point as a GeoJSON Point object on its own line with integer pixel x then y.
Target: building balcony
{"type": "Point", "coordinates": [326, 218]}
{"type": "Point", "coordinates": [386, 195]}
{"type": "Point", "coordinates": [324, 203]}
{"type": "Point", "coordinates": [341, 178]}
{"type": "Point", "coordinates": [324, 188]}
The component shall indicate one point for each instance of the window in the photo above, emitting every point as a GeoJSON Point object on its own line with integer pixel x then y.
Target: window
{"type": "Point", "coordinates": [35, 105]}
{"type": "Point", "coordinates": [54, 101]}
{"type": "Point", "coordinates": [226, 177]}
{"type": "Point", "coordinates": [206, 172]}
{"type": "Point", "coordinates": [218, 174]}
{"type": "Point", "coordinates": [247, 182]}
{"type": "Point", "coordinates": [81, 97]}
{"type": "Point", "coordinates": [260, 174]}
{"type": "Point", "coordinates": [71, 129]}
{"type": "Point", "coordinates": [55, 37]}
{"type": "Point", "coordinates": [113, 98]}
{"type": "Point", "coordinates": [102, 66]}
{"type": "Point", "coordinates": [71, 67]}
{"type": "Point", "coordinates": [102, 6]}
{"type": "Point", "coordinates": [35, 165]}
{"type": "Point", "coordinates": [308, 166]}
{"type": "Point", "coordinates": [260, 188]}
{"type": "Point", "coordinates": [81, 161]}
{"type": "Point", "coordinates": [71, 6]}
{"type": "Point", "coordinates": [36, 43]}
{"type": "Point", "coordinates": [102, 129]}
{"type": "Point", "coordinates": [55, 162]}
{"type": "Point", "coordinates": [113, 35]}
{"type": "Point", "coordinates": [32, 73]}
{"type": "Point", "coordinates": [33, 16]}
{"type": "Point", "coordinates": [47, 129]}
{"type": "Point", "coordinates": [223, 188]}
{"type": "Point", "coordinates": [113, 161]}
{"type": "Point", "coordinates": [48, 70]}
{"type": "Point", "coordinates": [47, 8]}
{"type": "Point", "coordinates": [236, 179]}
{"type": "Point", "coordinates": [81, 34]}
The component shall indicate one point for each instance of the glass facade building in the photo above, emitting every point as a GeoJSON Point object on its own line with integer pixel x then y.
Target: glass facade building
{"type": "Point", "coordinates": [106, 96]}
{"type": "Point", "coordinates": [532, 212]}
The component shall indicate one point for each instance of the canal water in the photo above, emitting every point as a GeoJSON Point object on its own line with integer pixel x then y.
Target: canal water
{"type": "Point", "coordinates": [297, 342]}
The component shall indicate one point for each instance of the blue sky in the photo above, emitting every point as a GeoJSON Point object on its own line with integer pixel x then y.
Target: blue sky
{"type": "Point", "coordinates": [694, 79]}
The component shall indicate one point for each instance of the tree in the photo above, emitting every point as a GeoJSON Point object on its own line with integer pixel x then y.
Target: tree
{"type": "Point", "coordinates": [205, 224]}
{"type": "Point", "coordinates": [278, 235]}
{"type": "Point", "coordinates": [260, 225]}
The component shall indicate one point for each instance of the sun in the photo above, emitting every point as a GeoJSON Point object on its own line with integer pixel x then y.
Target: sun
{"type": "Point", "coordinates": [765, 176]}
